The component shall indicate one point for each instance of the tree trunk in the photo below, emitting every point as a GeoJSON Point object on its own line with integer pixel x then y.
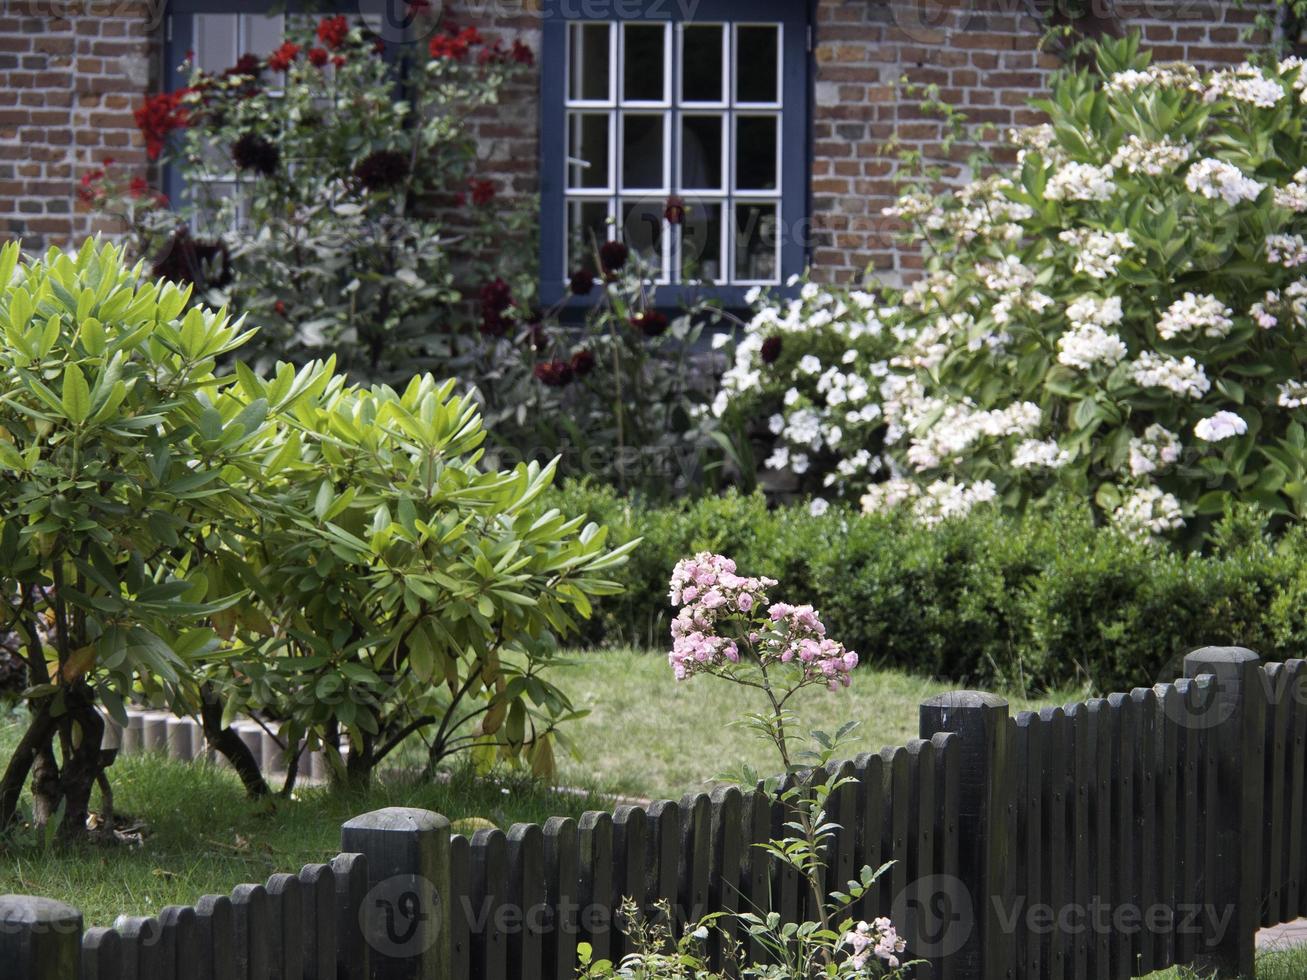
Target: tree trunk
{"type": "Point", "coordinates": [226, 741]}
{"type": "Point", "coordinates": [359, 763]}
{"type": "Point", "coordinates": [82, 761]}
{"type": "Point", "coordinates": [40, 731]}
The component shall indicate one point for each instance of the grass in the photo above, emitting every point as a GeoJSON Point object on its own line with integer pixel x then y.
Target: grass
{"type": "Point", "coordinates": [1278, 964]}
{"type": "Point", "coordinates": [647, 735]}
{"type": "Point", "coordinates": [202, 836]}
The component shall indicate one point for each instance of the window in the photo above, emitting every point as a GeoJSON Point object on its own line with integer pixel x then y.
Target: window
{"type": "Point", "coordinates": [711, 110]}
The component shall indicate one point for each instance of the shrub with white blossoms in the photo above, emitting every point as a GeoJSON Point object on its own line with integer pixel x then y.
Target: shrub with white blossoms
{"type": "Point", "coordinates": [1131, 326]}
{"type": "Point", "coordinates": [805, 384]}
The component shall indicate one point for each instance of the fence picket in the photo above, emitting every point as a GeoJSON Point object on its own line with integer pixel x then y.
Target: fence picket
{"type": "Point", "coordinates": [1027, 751]}
{"type": "Point", "coordinates": [595, 837]}
{"type": "Point", "coordinates": [630, 831]}
{"type": "Point", "coordinates": [1080, 776]}
{"type": "Point", "coordinates": [726, 864]}
{"type": "Point", "coordinates": [249, 907]}
{"type": "Point", "coordinates": [215, 931]}
{"type": "Point", "coordinates": [562, 876]}
{"type": "Point", "coordinates": [526, 862]}
{"type": "Point", "coordinates": [102, 956]}
{"type": "Point", "coordinates": [947, 797]}
{"type": "Point", "coordinates": [1146, 807]}
{"type": "Point", "coordinates": [696, 854]}
{"type": "Point", "coordinates": [1273, 855]}
{"type": "Point", "coordinates": [318, 926]}
{"type": "Point", "coordinates": [1168, 771]}
{"type": "Point", "coordinates": [755, 868]}
{"type": "Point", "coordinates": [285, 923]}
{"type": "Point", "coordinates": [352, 953]}
{"type": "Point", "coordinates": [488, 945]}
{"type": "Point", "coordinates": [1055, 886]}
{"type": "Point", "coordinates": [871, 820]}
{"type": "Point", "coordinates": [894, 828]}
{"type": "Point", "coordinates": [1188, 831]}
{"type": "Point", "coordinates": [1295, 898]}
{"type": "Point", "coordinates": [1099, 737]}
{"type": "Point", "coordinates": [180, 942]}
{"type": "Point", "coordinates": [786, 898]}
{"type": "Point", "coordinates": [663, 852]}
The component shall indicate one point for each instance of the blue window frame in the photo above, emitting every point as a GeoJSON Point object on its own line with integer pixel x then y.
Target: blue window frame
{"type": "Point", "coordinates": [705, 102]}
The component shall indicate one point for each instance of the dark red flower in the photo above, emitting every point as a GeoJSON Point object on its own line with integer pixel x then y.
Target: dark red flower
{"type": "Point", "coordinates": [247, 65]}
{"type": "Point", "coordinates": [583, 362]}
{"type": "Point", "coordinates": [651, 323]}
{"type": "Point", "coordinates": [279, 307]}
{"type": "Point", "coordinates": [583, 282]}
{"type": "Point", "coordinates": [382, 169]}
{"type": "Point", "coordinates": [253, 152]}
{"type": "Point", "coordinates": [338, 60]}
{"type": "Point", "coordinates": [554, 373]}
{"type": "Point", "coordinates": [90, 190]}
{"type": "Point", "coordinates": [496, 299]}
{"type": "Point", "coordinates": [318, 57]}
{"type": "Point", "coordinates": [613, 255]}
{"type": "Point", "coordinates": [483, 191]}
{"type": "Point", "coordinates": [333, 31]}
{"type": "Point", "coordinates": [159, 116]}
{"type": "Point", "coordinates": [138, 187]}
{"type": "Point", "coordinates": [771, 349]}
{"type": "Point", "coordinates": [454, 43]}
{"type": "Point", "coordinates": [523, 54]}
{"type": "Point", "coordinates": [281, 59]}
{"type": "Point", "coordinates": [675, 211]}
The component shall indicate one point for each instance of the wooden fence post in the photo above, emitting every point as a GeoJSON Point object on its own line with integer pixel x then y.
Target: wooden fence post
{"type": "Point", "coordinates": [980, 723]}
{"type": "Point", "coordinates": [40, 939]}
{"type": "Point", "coordinates": [1238, 736]}
{"type": "Point", "coordinates": [406, 914]}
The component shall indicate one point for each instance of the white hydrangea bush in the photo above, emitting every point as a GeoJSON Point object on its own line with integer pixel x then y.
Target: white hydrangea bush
{"type": "Point", "coordinates": [1121, 313]}
{"type": "Point", "coordinates": [805, 380]}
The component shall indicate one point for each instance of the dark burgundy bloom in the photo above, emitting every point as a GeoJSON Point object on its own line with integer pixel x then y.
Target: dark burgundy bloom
{"type": "Point", "coordinates": [583, 282]}
{"type": "Point", "coordinates": [496, 299]}
{"type": "Point", "coordinates": [281, 59]}
{"type": "Point", "coordinates": [483, 191]}
{"type": "Point", "coordinates": [554, 373]}
{"type": "Point", "coordinates": [523, 54]}
{"type": "Point", "coordinates": [651, 323]}
{"type": "Point", "coordinates": [382, 169]}
{"type": "Point", "coordinates": [583, 362]}
{"type": "Point", "coordinates": [279, 307]}
{"type": "Point", "coordinates": [333, 31]}
{"type": "Point", "coordinates": [247, 65]}
{"type": "Point", "coordinates": [771, 350]}
{"type": "Point", "coordinates": [675, 211]}
{"type": "Point", "coordinates": [613, 255]}
{"type": "Point", "coordinates": [318, 57]}
{"type": "Point", "coordinates": [253, 152]}
{"type": "Point", "coordinates": [186, 259]}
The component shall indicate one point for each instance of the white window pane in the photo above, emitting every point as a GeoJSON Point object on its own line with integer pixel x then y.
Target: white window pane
{"type": "Point", "coordinates": [587, 224]}
{"type": "Point", "coordinates": [757, 74]}
{"type": "Point", "coordinates": [588, 62]}
{"type": "Point", "coordinates": [756, 242]}
{"type": "Point", "coordinates": [261, 33]}
{"type": "Point", "coordinates": [215, 41]}
{"type": "Point", "coordinates": [755, 153]}
{"type": "Point", "coordinates": [701, 63]}
{"type": "Point", "coordinates": [701, 242]}
{"type": "Point", "coordinates": [702, 144]}
{"type": "Point", "coordinates": [587, 150]}
{"type": "Point", "coordinates": [642, 229]}
{"type": "Point", "coordinates": [644, 63]}
{"type": "Point", "coordinates": [643, 159]}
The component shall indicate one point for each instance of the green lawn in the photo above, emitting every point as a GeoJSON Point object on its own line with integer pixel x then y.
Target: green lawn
{"type": "Point", "coordinates": [1284, 964]}
{"type": "Point", "coordinates": [648, 735]}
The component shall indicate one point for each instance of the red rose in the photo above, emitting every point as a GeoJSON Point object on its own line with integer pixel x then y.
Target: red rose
{"type": "Point", "coordinates": [675, 211]}
{"type": "Point", "coordinates": [279, 307]}
{"type": "Point", "coordinates": [583, 281]}
{"type": "Point", "coordinates": [651, 323]}
{"type": "Point", "coordinates": [613, 255]}
{"type": "Point", "coordinates": [483, 191]}
{"type": "Point", "coordinates": [522, 54]}
{"type": "Point", "coordinates": [318, 57]}
{"type": "Point", "coordinates": [771, 350]}
{"type": "Point", "coordinates": [583, 362]}
{"type": "Point", "coordinates": [496, 298]}
{"type": "Point", "coordinates": [454, 43]}
{"type": "Point", "coordinates": [556, 374]}
{"type": "Point", "coordinates": [281, 59]}
{"type": "Point", "coordinates": [333, 31]}
{"type": "Point", "coordinates": [139, 187]}
{"type": "Point", "coordinates": [159, 116]}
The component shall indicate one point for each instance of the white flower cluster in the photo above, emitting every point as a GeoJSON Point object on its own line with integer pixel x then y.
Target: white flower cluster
{"type": "Point", "coordinates": [1221, 426]}
{"type": "Point", "coordinates": [1156, 450]}
{"type": "Point", "coordinates": [1080, 182]}
{"type": "Point", "coordinates": [983, 211]}
{"type": "Point", "coordinates": [1039, 139]}
{"type": "Point", "coordinates": [1184, 377]}
{"type": "Point", "coordinates": [1153, 158]}
{"type": "Point", "coordinates": [1087, 343]}
{"type": "Point", "coordinates": [1014, 281]}
{"type": "Point", "coordinates": [1276, 304]}
{"type": "Point", "coordinates": [1293, 394]}
{"type": "Point", "coordinates": [1192, 313]}
{"type": "Point", "coordinates": [1245, 83]}
{"type": "Point", "coordinates": [1097, 253]}
{"type": "Point", "coordinates": [1214, 179]}
{"type": "Point", "coordinates": [938, 502]}
{"type": "Point", "coordinates": [1293, 195]}
{"type": "Point", "coordinates": [1289, 251]}
{"type": "Point", "coordinates": [1148, 511]}
{"type": "Point", "coordinates": [1172, 75]}
{"type": "Point", "coordinates": [941, 432]}
{"type": "Point", "coordinates": [1040, 454]}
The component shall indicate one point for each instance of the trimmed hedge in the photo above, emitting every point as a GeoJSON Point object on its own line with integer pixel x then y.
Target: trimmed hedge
{"type": "Point", "coordinates": [1037, 603]}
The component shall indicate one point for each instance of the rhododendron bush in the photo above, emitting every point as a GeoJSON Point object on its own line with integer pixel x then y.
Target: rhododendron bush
{"type": "Point", "coordinates": [1121, 313]}
{"type": "Point", "coordinates": [335, 193]}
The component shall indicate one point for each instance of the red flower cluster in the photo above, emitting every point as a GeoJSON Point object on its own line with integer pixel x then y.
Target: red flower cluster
{"type": "Point", "coordinates": [583, 362]}
{"type": "Point", "coordinates": [497, 54]}
{"type": "Point", "coordinates": [651, 323]}
{"type": "Point", "coordinates": [333, 31]}
{"type": "Point", "coordinates": [90, 189]}
{"type": "Point", "coordinates": [318, 57]}
{"type": "Point", "coordinates": [613, 256]}
{"type": "Point", "coordinates": [582, 282]}
{"type": "Point", "coordinates": [556, 374]}
{"type": "Point", "coordinates": [496, 299]}
{"type": "Point", "coordinates": [483, 191]}
{"type": "Point", "coordinates": [454, 44]}
{"type": "Point", "coordinates": [281, 59]}
{"type": "Point", "coordinates": [159, 116]}
{"type": "Point", "coordinates": [771, 349]}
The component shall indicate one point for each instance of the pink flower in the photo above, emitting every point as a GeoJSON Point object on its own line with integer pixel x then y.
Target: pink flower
{"type": "Point", "coordinates": [744, 602]}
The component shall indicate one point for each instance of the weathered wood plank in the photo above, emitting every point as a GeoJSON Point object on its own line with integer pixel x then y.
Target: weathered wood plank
{"type": "Point", "coordinates": [318, 927]}
{"type": "Point", "coordinates": [215, 932]}
{"type": "Point", "coordinates": [630, 835]}
{"type": "Point", "coordinates": [488, 943]}
{"type": "Point", "coordinates": [102, 955]}
{"type": "Point", "coordinates": [726, 864]}
{"type": "Point", "coordinates": [353, 957]}
{"type": "Point", "coordinates": [595, 837]}
{"type": "Point", "coordinates": [562, 880]}
{"type": "Point", "coordinates": [526, 863]}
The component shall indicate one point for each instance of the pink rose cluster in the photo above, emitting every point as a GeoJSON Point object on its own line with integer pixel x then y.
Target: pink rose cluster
{"type": "Point", "coordinates": [708, 590]}
{"type": "Point", "coordinates": [878, 938]}
{"type": "Point", "coordinates": [800, 635]}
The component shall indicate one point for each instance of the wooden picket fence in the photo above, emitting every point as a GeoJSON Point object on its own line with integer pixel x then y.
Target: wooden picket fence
{"type": "Point", "coordinates": [1101, 841]}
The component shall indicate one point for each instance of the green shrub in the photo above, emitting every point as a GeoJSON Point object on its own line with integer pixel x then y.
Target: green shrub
{"type": "Point", "coordinates": [1039, 602]}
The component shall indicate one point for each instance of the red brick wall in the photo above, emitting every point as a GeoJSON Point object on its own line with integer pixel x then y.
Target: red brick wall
{"type": "Point", "coordinates": [984, 56]}
{"type": "Point", "coordinates": [71, 72]}
{"type": "Point", "coordinates": [70, 75]}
